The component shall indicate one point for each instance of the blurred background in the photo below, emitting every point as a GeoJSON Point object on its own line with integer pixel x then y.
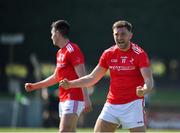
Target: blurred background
{"type": "Point", "coordinates": [27, 54]}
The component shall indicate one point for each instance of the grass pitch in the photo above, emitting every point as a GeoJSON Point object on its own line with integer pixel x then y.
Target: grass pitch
{"type": "Point", "coordinates": [79, 130]}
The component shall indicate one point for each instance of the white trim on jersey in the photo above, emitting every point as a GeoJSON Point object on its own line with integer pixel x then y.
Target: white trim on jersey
{"type": "Point", "coordinates": [136, 49]}
{"type": "Point", "coordinates": [70, 48]}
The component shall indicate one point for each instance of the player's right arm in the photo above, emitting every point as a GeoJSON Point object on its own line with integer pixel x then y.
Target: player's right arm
{"type": "Point", "coordinates": [51, 80]}
{"type": "Point", "coordinates": [85, 81]}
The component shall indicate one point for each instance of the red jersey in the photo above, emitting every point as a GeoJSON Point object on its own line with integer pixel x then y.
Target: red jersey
{"type": "Point", "coordinates": [68, 57]}
{"type": "Point", "coordinates": [125, 73]}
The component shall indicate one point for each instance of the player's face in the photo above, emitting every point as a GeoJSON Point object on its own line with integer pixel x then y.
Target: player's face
{"type": "Point", "coordinates": [122, 37]}
{"type": "Point", "coordinates": [54, 36]}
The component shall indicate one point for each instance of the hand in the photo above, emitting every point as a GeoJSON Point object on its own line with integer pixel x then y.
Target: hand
{"type": "Point", "coordinates": [140, 91]}
{"type": "Point", "coordinates": [29, 87]}
{"type": "Point", "coordinates": [65, 84]}
{"type": "Point", "coordinates": [88, 105]}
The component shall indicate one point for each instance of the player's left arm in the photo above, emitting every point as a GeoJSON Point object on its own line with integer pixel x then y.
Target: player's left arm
{"type": "Point", "coordinates": [80, 70]}
{"type": "Point", "coordinates": [148, 82]}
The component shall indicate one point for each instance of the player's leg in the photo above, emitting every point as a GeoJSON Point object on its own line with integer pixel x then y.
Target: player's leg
{"type": "Point", "coordinates": [138, 129]}
{"type": "Point", "coordinates": [69, 111]}
{"type": "Point", "coordinates": [104, 126]}
{"type": "Point", "coordinates": [68, 123]}
{"type": "Point", "coordinates": [107, 121]}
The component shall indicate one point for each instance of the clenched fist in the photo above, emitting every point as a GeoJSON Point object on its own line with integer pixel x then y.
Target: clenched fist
{"type": "Point", "coordinates": [65, 84]}
{"type": "Point", "coordinates": [29, 87]}
{"type": "Point", "coordinates": [140, 91]}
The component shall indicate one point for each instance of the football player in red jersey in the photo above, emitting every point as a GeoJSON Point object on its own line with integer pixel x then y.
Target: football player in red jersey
{"type": "Point", "coordinates": [130, 79]}
{"type": "Point", "coordinates": [69, 65]}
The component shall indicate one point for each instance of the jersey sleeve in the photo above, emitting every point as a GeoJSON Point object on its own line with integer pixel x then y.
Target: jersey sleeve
{"type": "Point", "coordinates": [144, 60]}
{"type": "Point", "coordinates": [76, 57]}
{"type": "Point", "coordinates": [103, 60]}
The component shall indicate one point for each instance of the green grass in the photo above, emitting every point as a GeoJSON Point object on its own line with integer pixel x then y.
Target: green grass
{"type": "Point", "coordinates": [55, 130]}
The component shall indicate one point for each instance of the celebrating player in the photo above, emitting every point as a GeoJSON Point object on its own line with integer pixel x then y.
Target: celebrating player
{"type": "Point", "coordinates": [70, 65]}
{"type": "Point", "coordinates": [130, 79]}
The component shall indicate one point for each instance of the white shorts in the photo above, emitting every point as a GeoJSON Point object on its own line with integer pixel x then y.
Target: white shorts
{"type": "Point", "coordinates": [128, 115]}
{"type": "Point", "coordinates": [70, 106]}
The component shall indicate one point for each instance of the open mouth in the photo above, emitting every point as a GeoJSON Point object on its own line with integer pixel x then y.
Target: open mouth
{"type": "Point", "coordinates": [121, 41]}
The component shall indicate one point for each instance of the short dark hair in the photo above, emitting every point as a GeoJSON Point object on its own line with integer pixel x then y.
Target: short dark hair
{"type": "Point", "coordinates": [62, 26]}
{"type": "Point", "coordinates": [122, 23]}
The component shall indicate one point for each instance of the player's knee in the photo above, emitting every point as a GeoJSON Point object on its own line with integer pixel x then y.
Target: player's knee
{"type": "Point", "coordinates": [67, 128]}
{"type": "Point", "coordinates": [97, 128]}
{"type": "Point", "coordinates": [138, 129]}
{"type": "Point", "coordinates": [62, 130]}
